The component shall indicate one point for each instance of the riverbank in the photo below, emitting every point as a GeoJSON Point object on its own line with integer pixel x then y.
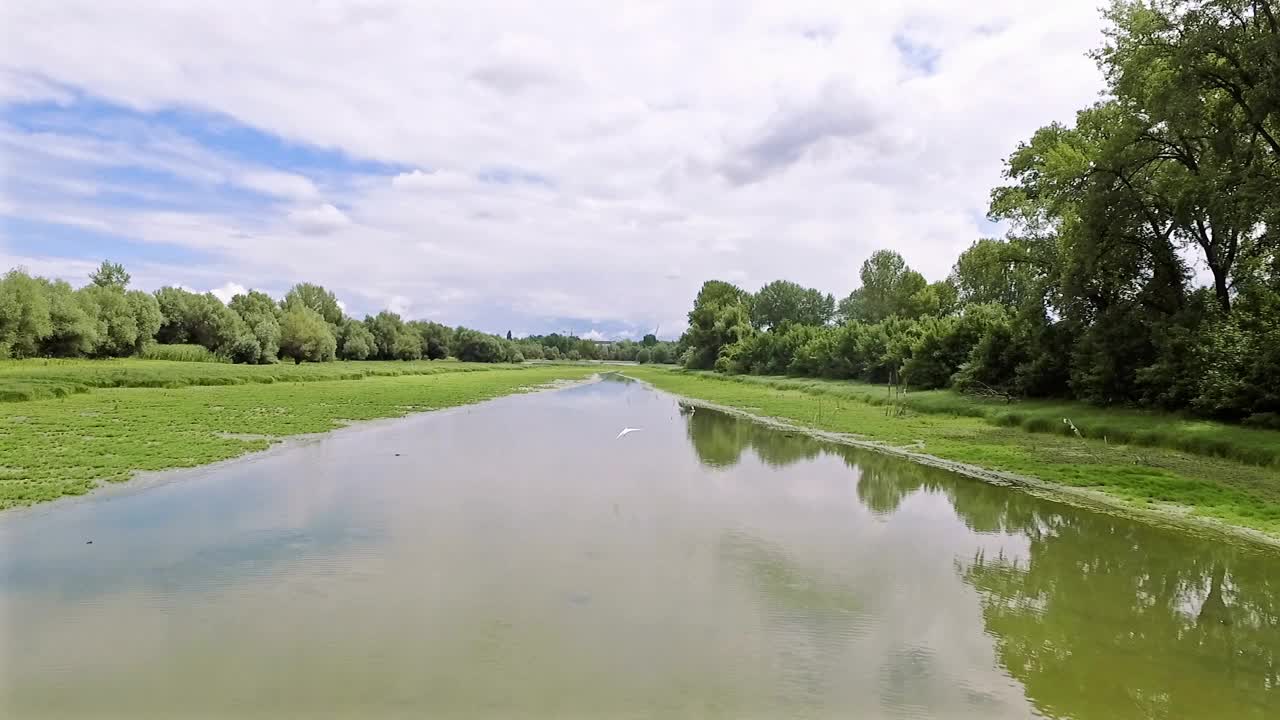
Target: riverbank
{"type": "Point", "coordinates": [1159, 482]}
{"type": "Point", "coordinates": [68, 445]}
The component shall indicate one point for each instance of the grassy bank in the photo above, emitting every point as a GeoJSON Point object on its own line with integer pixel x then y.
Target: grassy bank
{"type": "Point", "coordinates": [1197, 436]}
{"type": "Point", "coordinates": [980, 433]}
{"type": "Point", "coordinates": [23, 380]}
{"type": "Point", "coordinates": [201, 413]}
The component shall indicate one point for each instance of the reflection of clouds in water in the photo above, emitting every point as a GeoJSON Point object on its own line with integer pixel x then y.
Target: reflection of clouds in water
{"type": "Point", "coordinates": [915, 634]}
{"type": "Point", "coordinates": [506, 561]}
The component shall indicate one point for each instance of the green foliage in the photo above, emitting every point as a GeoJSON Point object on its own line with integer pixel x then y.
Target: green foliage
{"type": "Point", "coordinates": [118, 331]}
{"type": "Point", "coordinates": [24, 315]}
{"type": "Point", "coordinates": [392, 339]}
{"type": "Point", "coordinates": [180, 353]}
{"type": "Point", "coordinates": [202, 319]}
{"type": "Point", "coordinates": [720, 316]}
{"type": "Point", "coordinates": [643, 356]}
{"type": "Point", "coordinates": [990, 272]}
{"type": "Point", "coordinates": [889, 288]}
{"type": "Point", "coordinates": [649, 340]}
{"type": "Point", "coordinates": [261, 317]}
{"type": "Point", "coordinates": [110, 275]}
{"type": "Point", "coordinates": [945, 344]}
{"type": "Point", "coordinates": [434, 339]}
{"type": "Point", "coordinates": [475, 346]}
{"type": "Point", "coordinates": [355, 342]}
{"type": "Point", "coordinates": [73, 325]}
{"type": "Point", "coordinates": [782, 302]}
{"type": "Point", "coordinates": [305, 336]}
{"type": "Point", "coordinates": [315, 297]}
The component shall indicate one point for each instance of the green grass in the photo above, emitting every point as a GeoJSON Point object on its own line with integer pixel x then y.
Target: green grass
{"type": "Point", "coordinates": [1111, 425]}
{"type": "Point", "coordinates": [979, 433]}
{"type": "Point", "coordinates": [22, 380]}
{"type": "Point", "coordinates": [68, 444]}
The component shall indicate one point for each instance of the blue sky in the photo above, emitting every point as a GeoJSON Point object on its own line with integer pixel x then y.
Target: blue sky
{"type": "Point", "coordinates": [558, 169]}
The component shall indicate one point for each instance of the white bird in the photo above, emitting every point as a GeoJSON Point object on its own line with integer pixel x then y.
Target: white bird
{"type": "Point", "coordinates": [626, 431]}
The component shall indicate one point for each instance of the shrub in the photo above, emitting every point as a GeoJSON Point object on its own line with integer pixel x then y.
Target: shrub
{"type": "Point", "coordinates": [180, 353]}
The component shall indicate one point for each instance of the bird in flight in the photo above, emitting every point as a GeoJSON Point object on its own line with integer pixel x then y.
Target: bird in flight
{"type": "Point", "coordinates": [626, 431]}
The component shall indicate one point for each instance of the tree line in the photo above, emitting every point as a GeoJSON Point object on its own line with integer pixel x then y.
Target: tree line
{"type": "Point", "coordinates": [1091, 294]}
{"type": "Point", "coordinates": [40, 317]}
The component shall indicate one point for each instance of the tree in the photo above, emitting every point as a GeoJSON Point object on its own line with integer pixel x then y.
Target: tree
{"type": "Point", "coordinates": [643, 356]}
{"type": "Point", "coordinates": [24, 315]}
{"type": "Point", "coordinates": [355, 342]}
{"type": "Point", "coordinates": [261, 318]}
{"type": "Point", "coordinates": [991, 271]}
{"type": "Point", "coordinates": [508, 334]}
{"type": "Point", "coordinates": [433, 337]}
{"type": "Point", "coordinates": [203, 320]}
{"type": "Point", "coordinates": [73, 330]}
{"type": "Point", "coordinates": [720, 316]}
{"type": "Point", "coordinates": [117, 325]}
{"type": "Point", "coordinates": [146, 316]}
{"type": "Point", "coordinates": [110, 275]}
{"type": "Point", "coordinates": [475, 346]}
{"type": "Point", "coordinates": [305, 336]}
{"type": "Point", "coordinates": [888, 288]}
{"type": "Point", "coordinates": [649, 340]}
{"type": "Point", "coordinates": [317, 298]}
{"type": "Point", "coordinates": [782, 302]}
{"type": "Point", "coordinates": [393, 339]}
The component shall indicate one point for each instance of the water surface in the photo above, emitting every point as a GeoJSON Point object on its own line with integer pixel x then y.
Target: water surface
{"type": "Point", "coordinates": [515, 560]}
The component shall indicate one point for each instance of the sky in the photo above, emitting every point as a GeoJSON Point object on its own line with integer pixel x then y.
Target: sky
{"type": "Point", "coordinates": [534, 167]}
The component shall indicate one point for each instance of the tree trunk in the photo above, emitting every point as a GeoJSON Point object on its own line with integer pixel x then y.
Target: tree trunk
{"type": "Point", "coordinates": [1220, 288]}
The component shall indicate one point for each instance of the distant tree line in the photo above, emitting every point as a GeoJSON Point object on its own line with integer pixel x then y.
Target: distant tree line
{"type": "Point", "coordinates": [49, 318]}
{"type": "Point", "coordinates": [1090, 295]}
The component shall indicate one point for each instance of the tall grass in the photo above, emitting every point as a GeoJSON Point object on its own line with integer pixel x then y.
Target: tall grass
{"type": "Point", "coordinates": [1123, 426]}
{"type": "Point", "coordinates": [180, 353]}
{"type": "Point", "coordinates": [22, 380]}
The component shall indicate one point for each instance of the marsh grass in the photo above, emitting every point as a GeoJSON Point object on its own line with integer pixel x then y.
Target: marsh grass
{"type": "Point", "coordinates": [68, 444]}
{"type": "Point", "coordinates": [180, 353]}
{"type": "Point", "coordinates": [22, 380]}
{"type": "Point", "coordinates": [1031, 439]}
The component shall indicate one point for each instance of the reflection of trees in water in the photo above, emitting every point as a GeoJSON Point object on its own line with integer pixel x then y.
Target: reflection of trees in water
{"type": "Point", "coordinates": [883, 481]}
{"type": "Point", "coordinates": [720, 438]}
{"type": "Point", "coordinates": [1110, 618]}
{"type": "Point", "coordinates": [1102, 618]}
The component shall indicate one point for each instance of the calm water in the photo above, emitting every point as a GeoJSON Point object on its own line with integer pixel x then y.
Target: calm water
{"type": "Point", "coordinates": [516, 561]}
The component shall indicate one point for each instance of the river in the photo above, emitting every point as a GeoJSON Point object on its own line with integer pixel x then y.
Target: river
{"type": "Point", "coordinates": [517, 560]}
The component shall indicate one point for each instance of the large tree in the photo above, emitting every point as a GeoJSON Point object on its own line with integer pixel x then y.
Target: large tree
{"type": "Point", "coordinates": [784, 302]}
{"type": "Point", "coordinates": [24, 315]}
{"type": "Point", "coordinates": [393, 340]}
{"type": "Point", "coordinates": [889, 287]}
{"type": "Point", "coordinates": [317, 298]}
{"type": "Point", "coordinates": [305, 336]}
{"type": "Point", "coordinates": [720, 316]}
{"type": "Point", "coordinates": [261, 318]}
{"type": "Point", "coordinates": [1197, 83]}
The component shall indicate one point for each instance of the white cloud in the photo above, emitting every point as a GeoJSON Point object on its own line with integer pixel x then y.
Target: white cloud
{"type": "Point", "coordinates": [228, 291]}
{"type": "Point", "coordinates": [590, 161]}
{"type": "Point", "coordinates": [281, 184]}
{"type": "Point", "coordinates": [319, 220]}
